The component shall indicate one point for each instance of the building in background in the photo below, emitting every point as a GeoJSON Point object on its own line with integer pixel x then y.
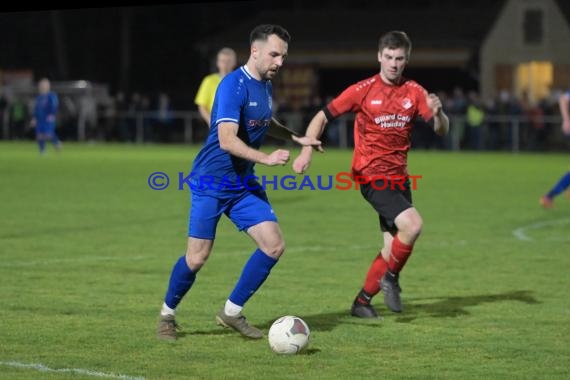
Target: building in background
{"type": "Point", "coordinates": [526, 51]}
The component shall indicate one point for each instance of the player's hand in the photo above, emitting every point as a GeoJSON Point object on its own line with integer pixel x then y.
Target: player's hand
{"type": "Point", "coordinates": [33, 123]}
{"type": "Point", "coordinates": [278, 157]}
{"type": "Point", "coordinates": [302, 163]}
{"type": "Point", "coordinates": [308, 141]}
{"type": "Point", "coordinates": [434, 103]}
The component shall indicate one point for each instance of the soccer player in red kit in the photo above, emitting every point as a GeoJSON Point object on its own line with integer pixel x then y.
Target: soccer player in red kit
{"type": "Point", "coordinates": [385, 106]}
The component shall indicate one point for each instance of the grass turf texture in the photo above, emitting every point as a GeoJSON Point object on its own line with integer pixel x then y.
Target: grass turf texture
{"type": "Point", "coordinates": [87, 248]}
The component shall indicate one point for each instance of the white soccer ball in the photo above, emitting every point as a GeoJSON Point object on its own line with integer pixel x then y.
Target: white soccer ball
{"type": "Point", "coordinates": [288, 335]}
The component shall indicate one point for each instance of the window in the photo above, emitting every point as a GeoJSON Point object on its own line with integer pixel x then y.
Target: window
{"type": "Point", "coordinates": [533, 28]}
{"type": "Point", "coordinates": [534, 78]}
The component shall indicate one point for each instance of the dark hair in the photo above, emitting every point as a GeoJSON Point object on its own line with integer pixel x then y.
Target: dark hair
{"type": "Point", "coordinates": [262, 32]}
{"type": "Point", "coordinates": [394, 40]}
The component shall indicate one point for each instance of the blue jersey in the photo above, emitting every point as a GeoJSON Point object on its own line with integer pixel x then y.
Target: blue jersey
{"type": "Point", "coordinates": [46, 105]}
{"type": "Point", "coordinates": [243, 100]}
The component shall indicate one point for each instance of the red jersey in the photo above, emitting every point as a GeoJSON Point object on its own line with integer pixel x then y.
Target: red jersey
{"type": "Point", "coordinates": [383, 123]}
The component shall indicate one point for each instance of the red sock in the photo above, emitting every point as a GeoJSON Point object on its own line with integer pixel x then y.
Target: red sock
{"type": "Point", "coordinates": [375, 273]}
{"type": "Point", "coordinates": [400, 254]}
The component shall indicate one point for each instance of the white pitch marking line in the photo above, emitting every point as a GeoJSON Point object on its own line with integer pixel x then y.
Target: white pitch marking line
{"type": "Point", "coordinates": [70, 260]}
{"type": "Point", "coordinates": [520, 233]}
{"type": "Point", "coordinates": [79, 371]}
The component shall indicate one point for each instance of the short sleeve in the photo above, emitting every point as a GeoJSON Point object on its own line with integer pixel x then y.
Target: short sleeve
{"type": "Point", "coordinates": [230, 99]}
{"type": "Point", "coordinates": [206, 91]}
{"type": "Point", "coordinates": [423, 110]}
{"type": "Point", "coordinates": [348, 101]}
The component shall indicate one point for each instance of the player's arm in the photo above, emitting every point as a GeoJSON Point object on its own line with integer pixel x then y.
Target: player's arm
{"type": "Point", "coordinates": [440, 119]}
{"type": "Point", "coordinates": [204, 113]}
{"type": "Point", "coordinates": [349, 100]}
{"type": "Point", "coordinates": [314, 131]}
{"type": "Point", "coordinates": [231, 143]}
{"type": "Point", "coordinates": [280, 131]}
{"type": "Point", "coordinates": [564, 104]}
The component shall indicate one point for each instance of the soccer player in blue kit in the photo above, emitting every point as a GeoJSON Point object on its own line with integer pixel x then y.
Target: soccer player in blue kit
{"type": "Point", "coordinates": [241, 116]}
{"type": "Point", "coordinates": [45, 111]}
{"type": "Point", "coordinates": [547, 200]}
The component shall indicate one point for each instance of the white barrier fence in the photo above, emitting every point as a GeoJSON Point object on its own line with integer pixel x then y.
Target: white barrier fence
{"type": "Point", "coordinates": [514, 133]}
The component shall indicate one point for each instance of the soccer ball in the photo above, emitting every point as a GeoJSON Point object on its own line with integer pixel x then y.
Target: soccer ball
{"type": "Point", "coordinates": [288, 335]}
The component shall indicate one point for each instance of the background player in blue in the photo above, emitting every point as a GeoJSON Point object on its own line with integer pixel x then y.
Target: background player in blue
{"type": "Point", "coordinates": [564, 182]}
{"type": "Point", "coordinates": [241, 116]}
{"type": "Point", "coordinates": [45, 111]}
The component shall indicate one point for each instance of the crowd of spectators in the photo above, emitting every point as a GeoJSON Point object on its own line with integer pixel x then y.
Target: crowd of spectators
{"type": "Point", "coordinates": [477, 124]}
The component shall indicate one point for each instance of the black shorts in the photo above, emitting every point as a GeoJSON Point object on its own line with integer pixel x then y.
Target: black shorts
{"type": "Point", "coordinates": [389, 200]}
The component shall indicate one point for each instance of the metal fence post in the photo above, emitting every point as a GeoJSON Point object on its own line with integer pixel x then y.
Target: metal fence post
{"type": "Point", "coordinates": [188, 128]}
{"type": "Point", "coordinates": [515, 135]}
{"type": "Point", "coordinates": [140, 129]}
{"type": "Point", "coordinates": [6, 124]}
{"type": "Point", "coordinates": [457, 122]}
{"type": "Point", "coordinates": [81, 126]}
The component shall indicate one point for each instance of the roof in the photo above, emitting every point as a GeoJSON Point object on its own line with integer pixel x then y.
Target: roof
{"type": "Point", "coordinates": [326, 35]}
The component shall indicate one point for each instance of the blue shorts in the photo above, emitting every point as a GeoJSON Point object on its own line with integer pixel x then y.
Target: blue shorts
{"type": "Point", "coordinates": [246, 209]}
{"type": "Point", "coordinates": [45, 128]}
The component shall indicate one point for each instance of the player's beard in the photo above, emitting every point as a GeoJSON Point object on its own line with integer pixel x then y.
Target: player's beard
{"type": "Point", "coordinates": [393, 75]}
{"type": "Point", "coordinates": [270, 73]}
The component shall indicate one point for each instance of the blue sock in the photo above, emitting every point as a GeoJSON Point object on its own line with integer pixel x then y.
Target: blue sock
{"type": "Point", "coordinates": [254, 274]}
{"type": "Point", "coordinates": [181, 281]}
{"type": "Point", "coordinates": [562, 184]}
{"type": "Point", "coordinates": [54, 140]}
{"type": "Point", "coordinates": [42, 145]}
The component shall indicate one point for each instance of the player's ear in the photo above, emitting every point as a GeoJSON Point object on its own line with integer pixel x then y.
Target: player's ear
{"type": "Point", "coordinates": [379, 56]}
{"type": "Point", "coordinates": [254, 50]}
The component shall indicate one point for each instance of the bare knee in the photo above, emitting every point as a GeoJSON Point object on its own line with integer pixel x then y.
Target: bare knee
{"type": "Point", "coordinates": [195, 262]}
{"type": "Point", "coordinates": [409, 225]}
{"type": "Point", "coordinates": [274, 250]}
{"type": "Point", "coordinates": [385, 252]}
{"type": "Point", "coordinates": [412, 230]}
{"type": "Point", "coordinates": [197, 254]}
{"type": "Point", "coordinates": [416, 228]}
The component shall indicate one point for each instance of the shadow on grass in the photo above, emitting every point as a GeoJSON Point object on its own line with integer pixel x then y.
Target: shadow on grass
{"type": "Point", "coordinates": [328, 321]}
{"type": "Point", "coordinates": [443, 307]}
{"type": "Point", "coordinates": [452, 307]}
{"type": "Point", "coordinates": [310, 351]}
{"type": "Point", "coordinates": [219, 331]}
{"type": "Point", "coordinates": [316, 322]}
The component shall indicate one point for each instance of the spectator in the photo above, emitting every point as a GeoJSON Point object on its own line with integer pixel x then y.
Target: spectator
{"type": "Point", "coordinates": [474, 119]}
{"type": "Point", "coordinates": [534, 128]}
{"type": "Point", "coordinates": [4, 107]}
{"type": "Point", "coordinates": [133, 109]}
{"type": "Point", "coordinates": [18, 119]}
{"type": "Point", "coordinates": [122, 122]}
{"type": "Point", "coordinates": [457, 109]}
{"type": "Point", "coordinates": [509, 108]}
{"type": "Point", "coordinates": [225, 62]}
{"type": "Point", "coordinates": [163, 117]}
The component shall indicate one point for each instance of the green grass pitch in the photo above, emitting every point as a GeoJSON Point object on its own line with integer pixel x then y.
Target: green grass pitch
{"type": "Point", "coordinates": [86, 250]}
